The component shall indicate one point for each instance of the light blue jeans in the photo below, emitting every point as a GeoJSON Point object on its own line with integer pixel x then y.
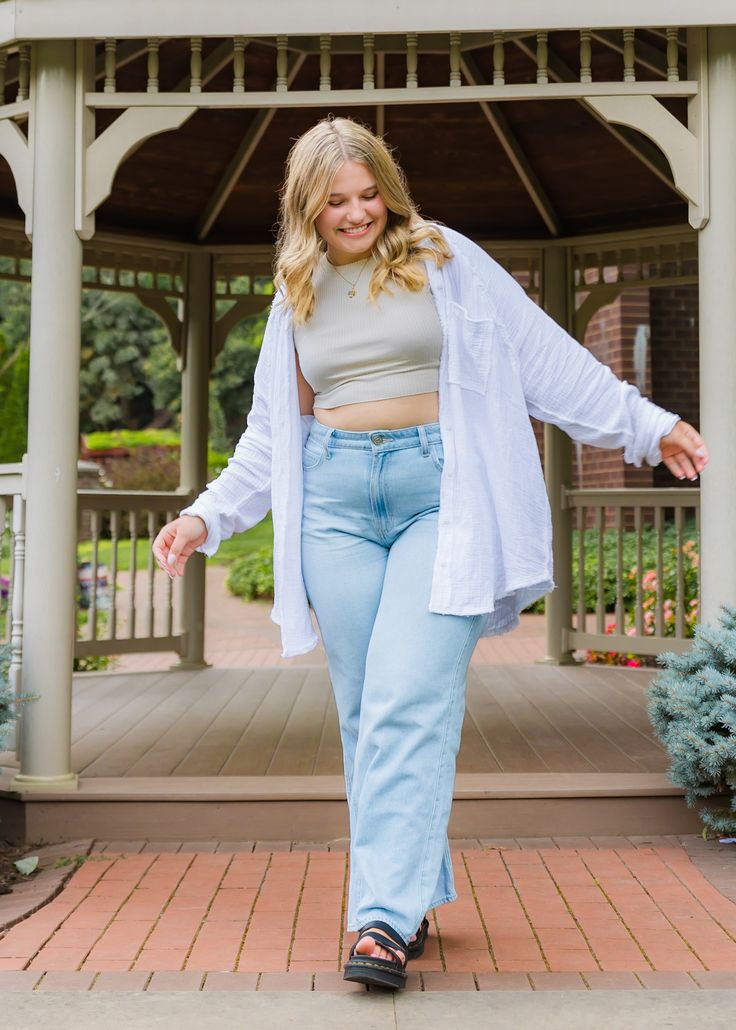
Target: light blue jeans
{"type": "Point", "coordinates": [398, 671]}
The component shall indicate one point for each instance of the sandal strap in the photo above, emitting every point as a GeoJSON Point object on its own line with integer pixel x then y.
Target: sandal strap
{"type": "Point", "coordinates": [385, 942]}
{"type": "Point", "coordinates": [397, 939]}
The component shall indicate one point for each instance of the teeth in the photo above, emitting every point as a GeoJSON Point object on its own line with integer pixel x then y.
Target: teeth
{"type": "Point", "coordinates": [357, 229]}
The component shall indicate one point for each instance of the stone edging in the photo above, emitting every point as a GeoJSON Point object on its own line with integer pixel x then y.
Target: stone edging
{"type": "Point", "coordinates": [43, 885]}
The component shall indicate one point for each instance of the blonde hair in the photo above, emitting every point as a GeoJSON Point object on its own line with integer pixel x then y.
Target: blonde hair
{"type": "Point", "coordinates": [311, 166]}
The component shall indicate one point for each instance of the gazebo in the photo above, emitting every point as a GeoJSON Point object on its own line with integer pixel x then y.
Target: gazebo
{"type": "Point", "coordinates": [143, 147]}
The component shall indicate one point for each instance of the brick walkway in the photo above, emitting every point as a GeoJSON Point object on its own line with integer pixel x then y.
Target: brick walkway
{"type": "Point", "coordinates": [533, 914]}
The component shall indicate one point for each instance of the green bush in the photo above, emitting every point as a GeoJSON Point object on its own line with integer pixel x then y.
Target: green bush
{"type": "Point", "coordinates": [692, 707]}
{"type": "Point", "coordinates": [252, 576]}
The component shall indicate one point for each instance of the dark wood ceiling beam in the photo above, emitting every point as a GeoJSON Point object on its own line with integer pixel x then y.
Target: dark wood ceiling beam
{"type": "Point", "coordinates": [513, 149]}
{"type": "Point", "coordinates": [646, 152]}
{"type": "Point", "coordinates": [241, 158]}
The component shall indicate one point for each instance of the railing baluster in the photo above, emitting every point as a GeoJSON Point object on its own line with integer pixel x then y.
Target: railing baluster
{"type": "Point", "coordinates": [111, 46]}
{"type": "Point", "coordinates": [133, 528]}
{"type": "Point", "coordinates": [620, 611]}
{"type": "Point", "coordinates": [3, 529]}
{"type": "Point", "coordinates": [95, 532]}
{"type": "Point", "coordinates": [673, 56]}
{"type": "Point", "coordinates": [680, 575]}
{"type": "Point", "coordinates": [169, 592]}
{"type": "Point", "coordinates": [638, 607]}
{"type": "Point", "coordinates": [659, 609]}
{"type": "Point", "coordinates": [455, 77]}
{"type": "Point", "coordinates": [629, 56]}
{"type": "Point", "coordinates": [586, 72]}
{"type": "Point", "coordinates": [499, 75]}
{"type": "Point", "coordinates": [582, 516]}
{"type": "Point", "coordinates": [114, 537]}
{"type": "Point", "coordinates": [412, 61]}
{"type": "Point", "coordinates": [152, 66]}
{"type": "Point", "coordinates": [151, 527]}
{"type": "Point", "coordinates": [325, 62]}
{"type": "Point", "coordinates": [195, 65]}
{"type": "Point", "coordinates": [697, 538]}
{"type": "Point", "coordinates": [15, 605]}
{"type": "Point", "coordinates": [369, 61]}
{"type": "Point", "coordinates": [600, 601]}
{"type": "Point", "coordinates": [24, 71]}
{"type": "Point", "coordinates": [282, 64]}
{"type": "Point", "coordinates": [542, 57]}
{"type": "Point", "coordinates": [239, 64]}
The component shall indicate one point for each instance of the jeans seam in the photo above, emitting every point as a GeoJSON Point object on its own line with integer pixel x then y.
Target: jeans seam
{"type": "Point", "coordinates": [420, 879]}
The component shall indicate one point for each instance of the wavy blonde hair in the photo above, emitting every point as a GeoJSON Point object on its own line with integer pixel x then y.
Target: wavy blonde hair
{"type": "Point", "coordinates": [311, 166]}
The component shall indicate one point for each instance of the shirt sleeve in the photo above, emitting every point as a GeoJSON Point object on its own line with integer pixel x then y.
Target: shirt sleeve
{"type": "Point", "coordinates": [241, 495]}
{"type": "Point", "coordinates": [565, 385]}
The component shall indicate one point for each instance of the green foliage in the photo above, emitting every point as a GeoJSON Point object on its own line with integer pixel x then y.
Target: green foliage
{"type": "Point", "coordinates": [692, 707]}
{"type": "Point", "coordinates": [132, 439]}
{"type": "Point", "coordinates": [117, 336]}
{"type": "Point", "coordinates": [252, 576]}
{"type": "Point", "coordinates": [14, 366]}
{"type": "Point", "coordinates": [232, 376]}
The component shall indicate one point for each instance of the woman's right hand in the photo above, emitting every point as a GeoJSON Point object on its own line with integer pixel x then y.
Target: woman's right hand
{"type": "Point", "coordinates": [176, 541]}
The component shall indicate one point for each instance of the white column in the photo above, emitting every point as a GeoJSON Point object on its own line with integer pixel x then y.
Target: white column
{"type": "Point", "coordinates": [194, 434]}
{"type": "Point", "coordinates": [557, 302]}
{"type": "Point", "coordinates": [53, 430]}
{"type": "Point", "coordinates": [717, 254]}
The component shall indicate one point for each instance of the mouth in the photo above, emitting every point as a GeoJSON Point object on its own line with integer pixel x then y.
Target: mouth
{"type": "Point", "coordinates": [358, 230]}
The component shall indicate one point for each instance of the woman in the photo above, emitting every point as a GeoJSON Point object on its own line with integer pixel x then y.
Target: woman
{"type": "Point", "coordinates": [390, 435]}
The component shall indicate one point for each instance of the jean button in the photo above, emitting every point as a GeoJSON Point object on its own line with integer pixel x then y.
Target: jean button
{"type": "Point", "coordinates": [377, 438]}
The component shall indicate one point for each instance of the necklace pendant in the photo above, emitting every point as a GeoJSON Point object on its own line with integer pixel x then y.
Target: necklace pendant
{"type": "Point", "coordinates": [351, 293]}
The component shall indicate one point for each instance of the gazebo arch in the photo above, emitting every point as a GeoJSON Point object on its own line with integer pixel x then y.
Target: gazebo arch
{"type": "Point", "coordinates": [162, 67]}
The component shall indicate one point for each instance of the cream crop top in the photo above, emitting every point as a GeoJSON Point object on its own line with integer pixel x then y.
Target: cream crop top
{"type": "Point", "coordinates": [353, 349]}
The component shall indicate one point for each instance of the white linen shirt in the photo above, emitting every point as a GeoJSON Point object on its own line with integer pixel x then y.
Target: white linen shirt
{"type": "Point", "coordinates": [503, 359]}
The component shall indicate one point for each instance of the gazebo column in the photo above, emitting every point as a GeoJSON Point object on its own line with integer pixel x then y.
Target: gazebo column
{"type": "Point", "coordinates": [194, 435]}
{"type": "Point", "coordinates": [53, 430]}
{"type": "Point", "coordinates": [557, 302]}
{"type": "Point", "coordinates": [717, 273]}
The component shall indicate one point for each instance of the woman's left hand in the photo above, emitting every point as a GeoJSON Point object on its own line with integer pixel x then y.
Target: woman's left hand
{"type": "Point", "coordinates": [684, 451]}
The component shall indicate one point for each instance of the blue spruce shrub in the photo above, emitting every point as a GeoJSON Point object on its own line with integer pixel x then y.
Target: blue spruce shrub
{"type": "Point", "coordinates": [692, 707]}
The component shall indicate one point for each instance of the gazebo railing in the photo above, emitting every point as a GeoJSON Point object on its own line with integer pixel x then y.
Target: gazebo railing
{"type": "Point", "coordinates": [636, 553]}
{"type": "Point", "coordinates": [12, 561]}
{"type": "Point", "coordinates": [147, 615]}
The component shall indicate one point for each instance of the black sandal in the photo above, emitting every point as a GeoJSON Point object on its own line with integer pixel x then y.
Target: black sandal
{"type": "Point", "coordinates": [416, 948]}
{"type": "Point", "coordinates": [379, 972]}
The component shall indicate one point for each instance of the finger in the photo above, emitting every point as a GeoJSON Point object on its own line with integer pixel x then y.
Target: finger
{"type": "Point", "coordinates": [673, 464]}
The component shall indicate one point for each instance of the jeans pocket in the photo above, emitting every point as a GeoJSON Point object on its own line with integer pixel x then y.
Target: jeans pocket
{"type": "Point", "coordinates": [437, 454]}
{"type": "Point", "coordinates": [313, 454]}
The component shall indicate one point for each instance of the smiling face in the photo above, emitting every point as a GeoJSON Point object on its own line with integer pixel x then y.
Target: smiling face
{"type": "Point", "coordinates": [354, 217]}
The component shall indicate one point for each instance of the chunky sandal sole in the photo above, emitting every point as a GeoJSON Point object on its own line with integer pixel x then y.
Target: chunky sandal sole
{"type": "Point", "coordinates": [416, 948]}
{"type": "Point", "coordinates": [377, 972]}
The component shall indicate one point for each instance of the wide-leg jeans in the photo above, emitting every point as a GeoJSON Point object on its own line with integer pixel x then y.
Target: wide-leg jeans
{"type": "Point", "coordinates": [398, 671]}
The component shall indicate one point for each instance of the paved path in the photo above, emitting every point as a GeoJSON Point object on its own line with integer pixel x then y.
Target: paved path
{"type": "Point", "coordinates": [240, 634]}
{"type": "Point", "coordinates": [565, 914]}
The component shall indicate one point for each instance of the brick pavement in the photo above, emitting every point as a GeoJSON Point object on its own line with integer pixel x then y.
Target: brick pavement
{"type": "Point", "coordinates": [533, 914]}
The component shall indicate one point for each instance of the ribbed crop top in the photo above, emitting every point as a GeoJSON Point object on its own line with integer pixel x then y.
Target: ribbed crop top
{"type": "Point", "coordinates": [352, 349]}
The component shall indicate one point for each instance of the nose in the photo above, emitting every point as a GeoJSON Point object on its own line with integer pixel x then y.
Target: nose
{"type": "Point", "coordinates": [356, 212]}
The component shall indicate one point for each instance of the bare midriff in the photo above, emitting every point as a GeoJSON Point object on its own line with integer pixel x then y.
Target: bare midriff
{"type": "Point", "coordinates": [394, 413]}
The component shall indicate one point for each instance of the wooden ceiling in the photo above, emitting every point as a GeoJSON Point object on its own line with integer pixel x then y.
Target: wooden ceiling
{"type": "Point", "coordinates": [457, 168]}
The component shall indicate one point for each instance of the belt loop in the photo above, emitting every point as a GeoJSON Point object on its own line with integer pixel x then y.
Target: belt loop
{"type": "Point", "coordinates": [326, 443]}
{"type": "Point", "coordinates": [424, 440]}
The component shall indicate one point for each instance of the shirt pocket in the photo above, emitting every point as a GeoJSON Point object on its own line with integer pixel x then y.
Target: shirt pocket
{"type": "Point", "coordinates": [469, 348]}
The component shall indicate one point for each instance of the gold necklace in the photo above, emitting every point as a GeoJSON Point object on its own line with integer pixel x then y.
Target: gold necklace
{"type": "Point", "coordinates": [352, 285]}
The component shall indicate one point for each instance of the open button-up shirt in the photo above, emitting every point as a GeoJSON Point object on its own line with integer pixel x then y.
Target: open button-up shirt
{"type": "Point", "coordinates": [503, 359]}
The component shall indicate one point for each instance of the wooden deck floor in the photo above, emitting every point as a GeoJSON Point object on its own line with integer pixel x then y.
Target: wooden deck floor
{"type": "Point", "coordinates": [282, 722]}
